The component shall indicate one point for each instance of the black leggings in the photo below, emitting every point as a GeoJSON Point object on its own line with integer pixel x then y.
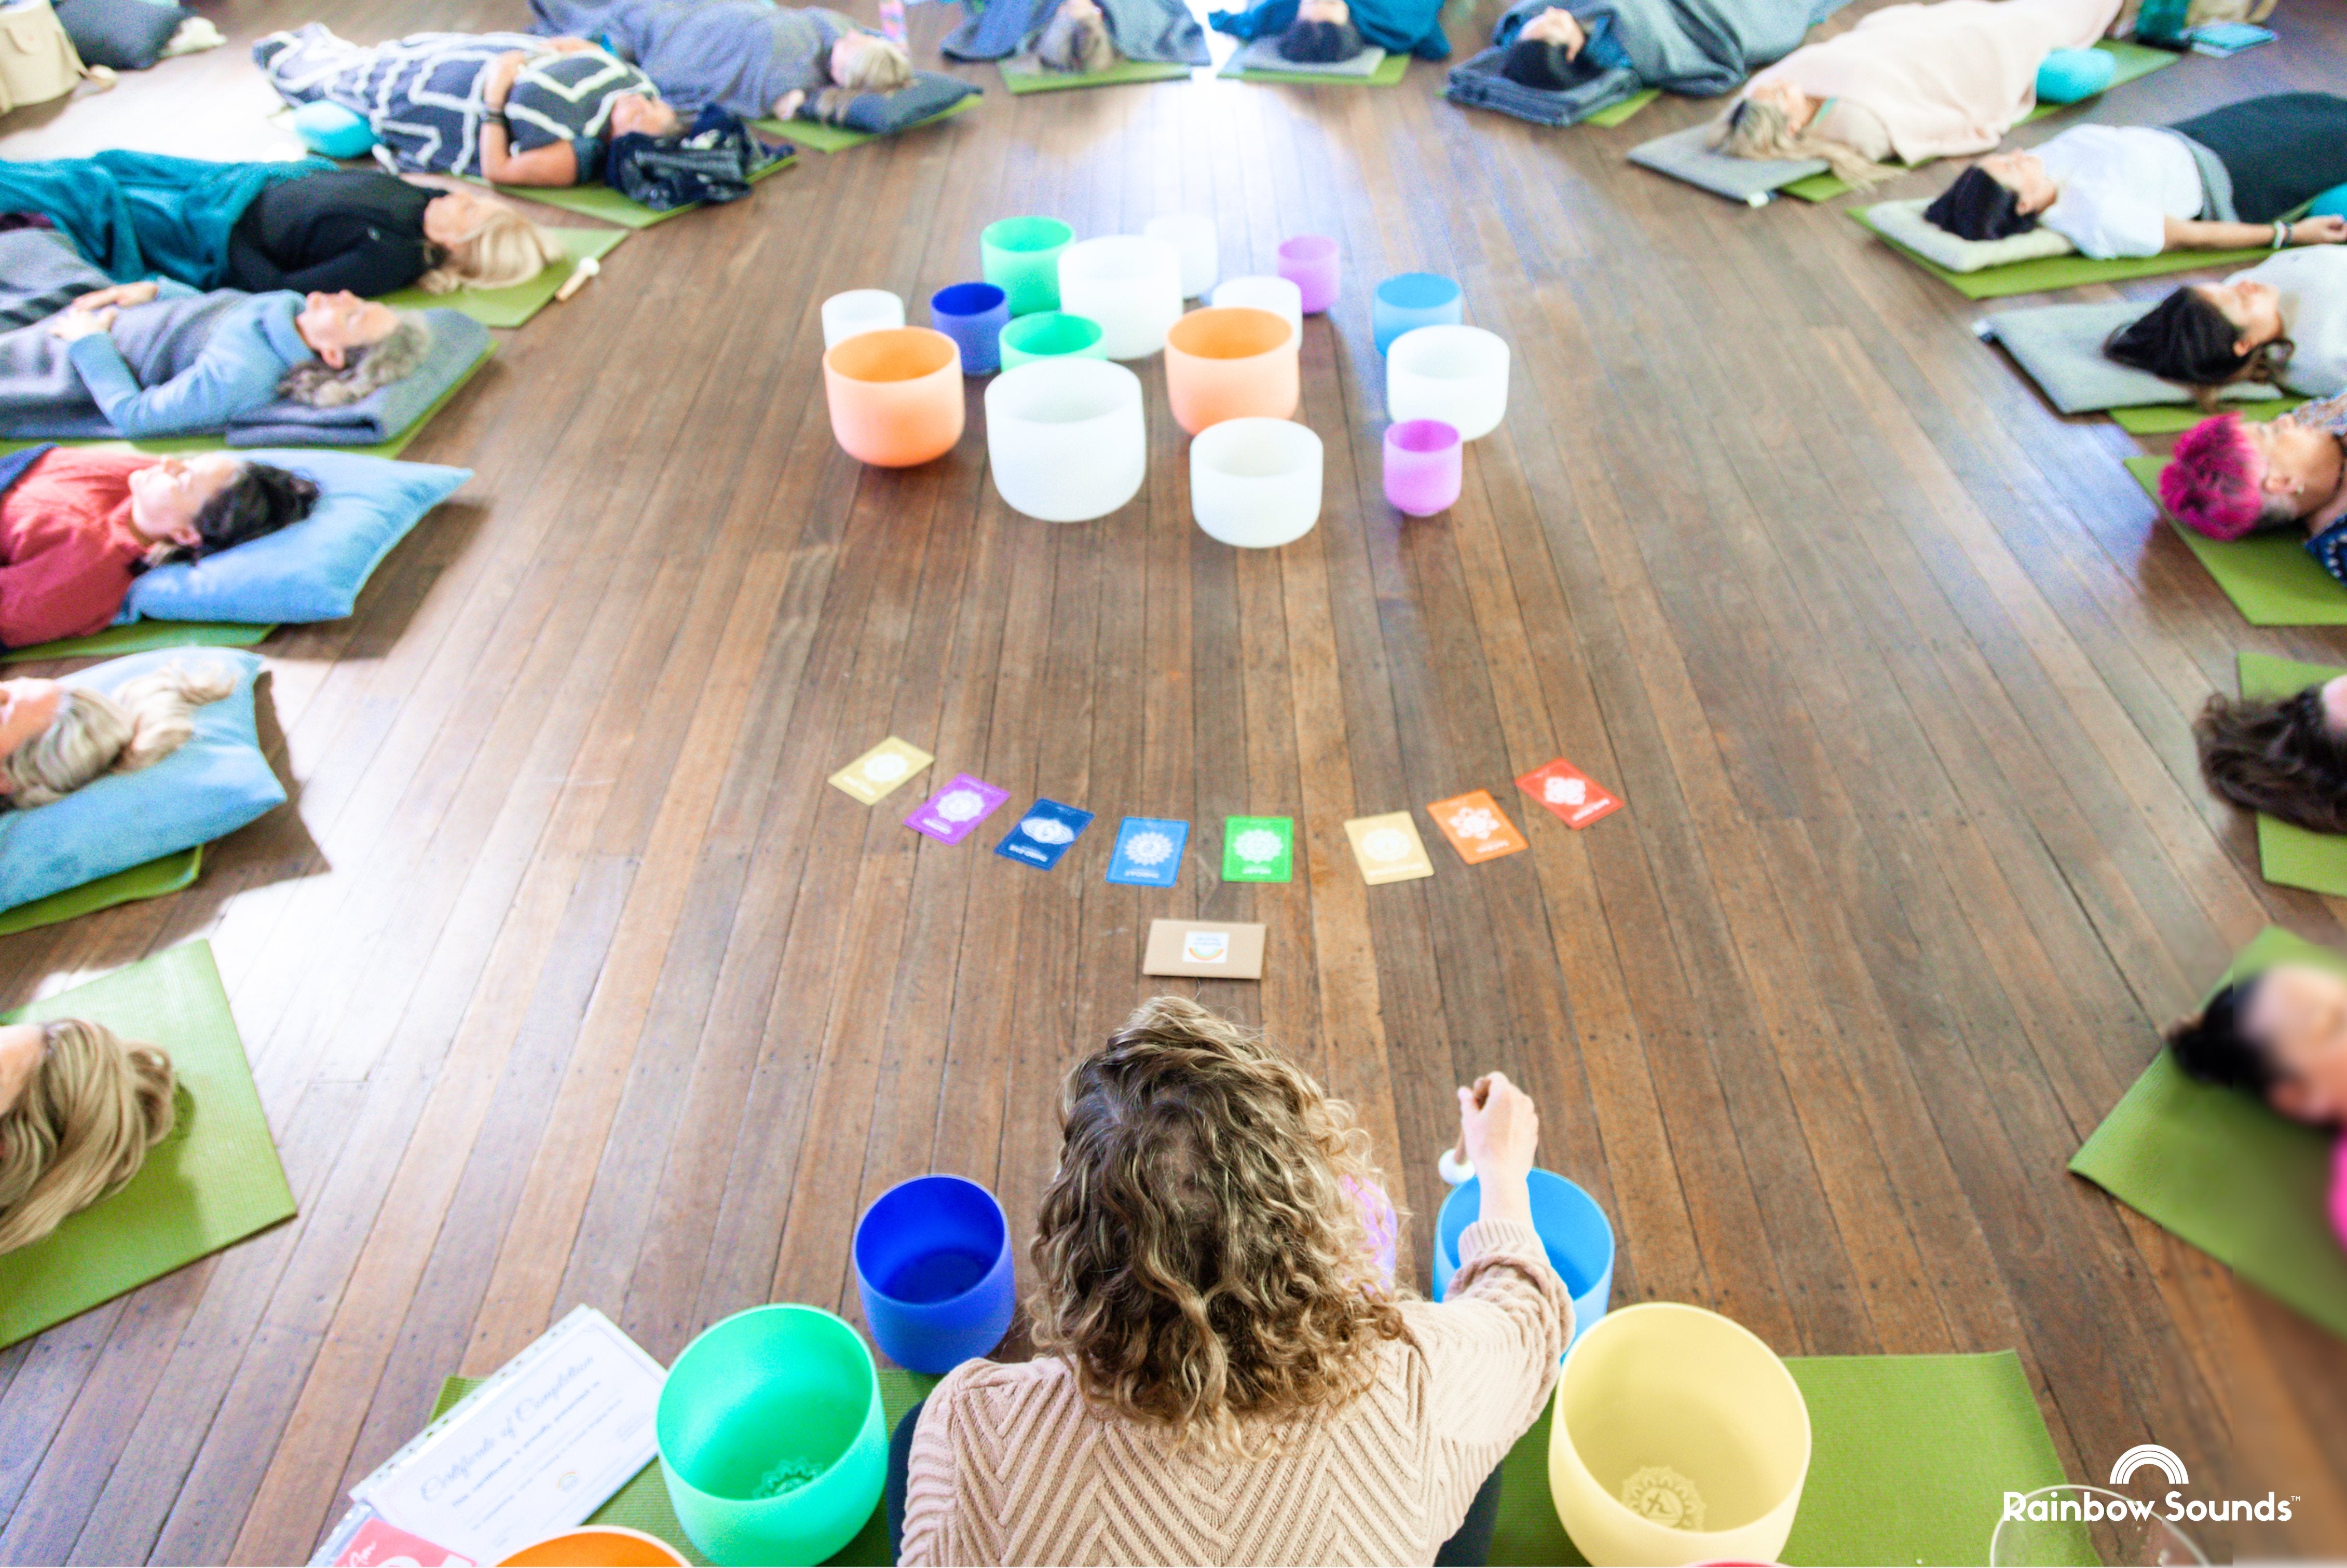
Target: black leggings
{"type": "Point", "coordinates": [2282, 150]}
{"type": "Point", "coordinates": [1471, 1546]}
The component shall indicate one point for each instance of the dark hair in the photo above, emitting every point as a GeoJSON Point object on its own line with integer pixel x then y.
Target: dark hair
{"type": "Point", "coordinates": [2212, 1047]}
{"type": "Point", "coordinates": [1979, 207]}
{"type": "Point", "coordinates": [1530, 63]}
{"type": "Point", "coordinates": [2278, 758]}
{"type": "Point", "coordinates": [1320, 42]}
{"type": "Point", "coordinates": [260, 500]}
{"type": "Point", "coordinates": [2184, 338]}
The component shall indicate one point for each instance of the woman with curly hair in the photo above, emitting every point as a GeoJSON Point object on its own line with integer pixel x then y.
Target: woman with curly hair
{"type": "Point", "coordinates": [1225, 1373]}
{"type": "Point", "coordinates": [80, 1108]}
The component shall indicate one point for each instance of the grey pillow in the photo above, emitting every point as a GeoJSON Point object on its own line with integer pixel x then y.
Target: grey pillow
{"type": "Point", "coordinates": [1687, 155]}
{"type": "Point", "coordinates": [2061, 348]}
{"type": "Point", "coordinates": [1262, 55]}
{"type": "Point", "coordinates": [126, 34]}
{"type": "Point", "coordinates": [928, 94]}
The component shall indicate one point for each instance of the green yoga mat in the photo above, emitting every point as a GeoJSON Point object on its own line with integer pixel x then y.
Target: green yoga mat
{"type": "Point", "coordinates": [184, 445]}
{"type": "Point", "coordinates": [2269, 578]}
{"type": "Point", "coordinates": [642, 1504]}
{"type": "Point", "coordinates": [2133, 60]}
{"type": "Point", "coordinates": [142, 636]}
{"type": "Point", "coordinates": [151, 880]}
{"type": "Point", "coordinates": [2227, 1174]}
{"type": "Point", "coordinates": [2175, 418]}
{"type": "Point", "coordinates": [1389, 72]}
{"type": "Point", "coordinates": [816, 136]}
{"type": "Point", "coordinates": [2048, 273]}
{"type": "Point", "coordinates": [1910, 1461]}
{"type": "Point", "coordinates": [512, 307]}
{"type": "Point", "coordinates": [1034, 78]}
{"type": "Point", "coordinates": [213, 1182]}
{"type": "Point", "coordinates": [601, 201]}
{"type": "Point", "coordinates": [1614, 115]}
{"type": "Point", "coordinates": [2290, 855]}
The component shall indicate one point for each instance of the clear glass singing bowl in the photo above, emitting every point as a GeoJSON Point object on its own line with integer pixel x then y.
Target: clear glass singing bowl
{"type": "Point", "coordinates": [2081, 1527]}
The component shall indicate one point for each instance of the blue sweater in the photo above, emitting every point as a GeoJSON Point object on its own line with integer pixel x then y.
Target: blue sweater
{"type": "Point", "coordinates": [200, 360]}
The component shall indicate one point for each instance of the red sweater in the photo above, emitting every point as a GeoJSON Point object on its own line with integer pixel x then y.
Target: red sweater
{"type": "Point", "coordinates": [66, 551]}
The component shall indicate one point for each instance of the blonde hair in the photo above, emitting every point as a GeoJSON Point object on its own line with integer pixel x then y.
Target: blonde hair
{"type": "Point", "coordinates": [880, 66]}
{"type": "Point", "coordinates": [1751, 128]}
{"type": "Point", "coordinates": [365, 370]}
{"type": "Point", "coordinates": [505, 249]}
{"type": "Point", "coordinates": [1203, 1259]}
{"type": "Point", "coordinates": [96, 733]}
{"type": "Point", "coordinates": [94, 1106]}
{"type": "Point", "coordinates": [1083, 46]}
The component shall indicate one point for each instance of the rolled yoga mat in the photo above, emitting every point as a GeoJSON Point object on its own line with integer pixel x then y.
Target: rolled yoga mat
{"type": "Point", "coordinates": [512, 307]}
{"type": "Point", "coordinates": [2291, 855]}
{"type": "Point", "coordinates": [1910, 1458]}
{"type": "Point", "coordinates": [2269, 578]}
{"type": "Point", "coordinates": [642, 1504]}
{"type": "Point", "coordinates": [2219, 1169]}
{"type": "Point", "coordinates": [213, 1182]}
{"type": "Point", "coordinates": [611, 206]}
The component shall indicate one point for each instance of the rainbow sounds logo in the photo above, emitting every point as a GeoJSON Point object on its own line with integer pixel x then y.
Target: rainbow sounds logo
{"type": "Point", "coordinates": [2091, 1505]}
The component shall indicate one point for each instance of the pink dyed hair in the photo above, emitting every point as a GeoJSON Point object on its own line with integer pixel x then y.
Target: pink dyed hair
{"type": "Point", "coordinates": [2210, 483]}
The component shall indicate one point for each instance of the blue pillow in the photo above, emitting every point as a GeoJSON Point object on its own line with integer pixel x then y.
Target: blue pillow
{"type": "Point", "coordinates": [330, 130]}
{"type": "Point", "coordinates": [211, 786]}
{"type": "Point", "coordinates": [2066, 76]}
{"type": "Point", "coordinates": [2331, 203]}
{"type": "Point", "coordinates": [314, 570]}
{"type": "Point", "coordinates": [929, 93]}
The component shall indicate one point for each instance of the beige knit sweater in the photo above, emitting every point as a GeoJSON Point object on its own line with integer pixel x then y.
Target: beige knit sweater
{"type": "Point", "coordinates": [1010, 1464]}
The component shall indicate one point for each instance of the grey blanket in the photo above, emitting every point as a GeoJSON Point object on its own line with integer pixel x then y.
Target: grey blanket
{"type": "Point", "coordinates": [1161, 32]}
{"type": "Point", "coordinates": [40, 274]}
{"type": "Point", "coordinates": [1700, 47]}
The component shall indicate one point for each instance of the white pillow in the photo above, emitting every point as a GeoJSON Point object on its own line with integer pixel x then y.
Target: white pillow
{"type": "Point", "coordinates": [1904, 221]}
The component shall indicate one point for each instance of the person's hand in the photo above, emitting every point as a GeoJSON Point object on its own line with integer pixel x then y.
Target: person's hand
{"type": "Point", "coordinates": [2318, 231]}
{"type": "Point", "coordinates": [74, 325]}
{"type": "Point", "coordinates": [502, 71]}
{"type": "Point", "coordinates": [1501, 1127]}
{"type": "Point", "coordinates": [118, 294]}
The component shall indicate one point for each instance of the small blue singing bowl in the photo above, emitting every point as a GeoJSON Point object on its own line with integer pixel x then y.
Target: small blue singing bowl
{"type": "Point", "coordinates": [1411, 301]}
{"type": "Point", "coordinates": [973, 315]}
{"type": "Point", "coordinates": [933, 1264]}
{"type": "Point", "coordinates": [1575, 1231]}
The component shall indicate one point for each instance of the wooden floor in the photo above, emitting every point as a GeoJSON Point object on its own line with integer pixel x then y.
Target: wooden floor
{"type": "Point", "coordinates": [565, 979]}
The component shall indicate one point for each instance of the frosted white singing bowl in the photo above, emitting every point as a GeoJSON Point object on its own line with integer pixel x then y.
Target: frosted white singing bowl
{"type": "Point", "coordinates": [1456, 374]}
{"type": "Point", "coordinates": [1679, 1438]}
{"type": "Point", "coordinates": [1066, 438]}
{"type": "Point", "coordinates": [1130, 284]}
{"type": "Point", "coordinates": [1280, 297]}
{"type": "Point", "coordinates": [1255, 483]}
{"type": "Point", "coordinates": [1192, 235]}
{"type": "Point", "coordinates": [860, 310]}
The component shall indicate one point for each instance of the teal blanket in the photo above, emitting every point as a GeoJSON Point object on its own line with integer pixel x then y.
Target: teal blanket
{"type": "Point", "coordinates": [140, 214]}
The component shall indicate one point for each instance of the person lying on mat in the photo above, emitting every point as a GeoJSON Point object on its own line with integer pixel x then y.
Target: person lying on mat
{"type": "Point", "coordinates": [507, 107]}
{"type": "Point", "coordinates": [1322, 33]}
{"type": "Point", "coordinates": [1211, 1313]}
{"type": "Point", "coordinates": [749, 58]}
{"type": "Point", "coordinates": [2286, 758]}
{"type": "Point", "coordinates": [1081, 35]}
{"type": "Point", "coordinates": [2281, 1036]}
{"type": "Point", "coordinates": [2229, 477]}
{"type": "Point", "coordinates": [253, 226]}
{"type": "Point", "coordinates": [1698, 49]}
{"type": "Point", "coordinates": [1909, 82]}
{"type": "Point", "coordinates": [159, 359]}
{"type": "Point", "coordinates": [77, 526]}
{"type": "Point", "coordinates": [1327, 31]}
{"type": "Point", "coordinates": [2283, 321]}
{"type": "Point", "coordinates": [2220, 182]}
{"type": "Point", "coordinates": [54, 739]}
{"type": "Point", "coordinates": [80, 1108]}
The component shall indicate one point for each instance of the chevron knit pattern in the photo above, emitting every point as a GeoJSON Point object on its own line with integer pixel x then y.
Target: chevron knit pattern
{"type": "Point", "coordinates": [1012, 1465]}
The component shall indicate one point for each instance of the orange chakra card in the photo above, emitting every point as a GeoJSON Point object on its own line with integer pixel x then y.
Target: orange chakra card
{"type": "Point", "coordinates": [1476, 827]}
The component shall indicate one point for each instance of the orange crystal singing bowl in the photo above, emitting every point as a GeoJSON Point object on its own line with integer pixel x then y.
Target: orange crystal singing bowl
{"type": "Point", "coordinates": [1231, 362]}
{"type": "Point", "coordinates": [597, 1546]}
{"type": "Point", "coordinates": [896, 395]}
